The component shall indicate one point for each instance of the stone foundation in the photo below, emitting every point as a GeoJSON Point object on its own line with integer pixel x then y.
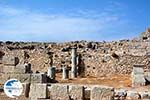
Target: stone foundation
{"type": "Point", "coordinates": [78, 92]}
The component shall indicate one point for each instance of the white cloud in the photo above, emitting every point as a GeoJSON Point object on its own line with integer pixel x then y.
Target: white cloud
{"type": "Point", "coordinates": [23, 24]}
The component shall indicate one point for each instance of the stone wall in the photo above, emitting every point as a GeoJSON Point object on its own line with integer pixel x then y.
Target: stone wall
{"type": "Point", "coordinates": [80, 92]}
{"type": "Point", "coordinates": [70, 92]}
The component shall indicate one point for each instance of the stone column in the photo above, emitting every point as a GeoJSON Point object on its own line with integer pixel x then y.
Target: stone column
{"type": "Point", "coordinates": [74, 63]}
{"type": "Point", "coordinates": [65, 73]}
{"type": "Point", "coordinates": [51, 72]}
{"type": "Point", "coordinates": [26, 57]}
{"type": "Point", "coordinates": [51, 60]}
{"type": "Point", "coordinates": [27, 68]}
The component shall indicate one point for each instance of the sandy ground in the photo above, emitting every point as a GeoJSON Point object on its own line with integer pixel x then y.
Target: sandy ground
{"type": "Point", "coordinates": [117, 81]}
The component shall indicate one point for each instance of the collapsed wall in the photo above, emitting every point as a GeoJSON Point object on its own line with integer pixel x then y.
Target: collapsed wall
{"type": "Point", "coordinates": [94, 58]}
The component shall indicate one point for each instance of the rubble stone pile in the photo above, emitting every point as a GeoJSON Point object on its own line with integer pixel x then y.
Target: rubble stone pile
{"type": "Point", "coordinates": [94, 58]}
{"type": "Point", "coordinates": [37, 65]}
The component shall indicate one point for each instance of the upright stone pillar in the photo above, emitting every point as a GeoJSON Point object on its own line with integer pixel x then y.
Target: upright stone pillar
{"type": "Point", "coordinates": [51, 72]}
{"type": "Point", "coordinates": [51, 60]}
{"type": "Point", "coordinates": [74, 63]}
{"type": "Point", "coordinates": [26, 57]}
{"type": "Point", "coordinates": [65, 73]}
{"type": "Point", "coordinates": [138, 76]}
{"type": "Point", "coordinates": [27, 68]}
{"type": "Point", "coordinates": [50, 57]}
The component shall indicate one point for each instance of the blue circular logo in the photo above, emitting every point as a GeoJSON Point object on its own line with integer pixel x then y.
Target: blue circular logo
{"type": "Point", "coordinates": [13, 88]}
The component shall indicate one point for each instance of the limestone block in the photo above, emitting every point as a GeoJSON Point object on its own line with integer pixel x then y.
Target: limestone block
{"type": "Point", "coordinates": [38, 91]}
{"type": "Point", "coordinates": [10, 60]}
{"type": "Point", "coordinates": [38, 78]}
{"type": "Point", "coordinates": [20, 69]}
{"type": "Point", "coordinates": [102, 93]}
{"type": "Point", "coordinates": [138, 80]}
{"type": "Point", "coordinates": [138, 69]}
{"type": "Point", "coordinates": [59, 92]}
{"type": "Point", "coordinates": [8, 69]}
{"type": "Point", "coordinates": [24, 78]}
{"type": "Point", "coordinates": [76, 92]}
{"type": "Point", "coordinates": [132, 95]}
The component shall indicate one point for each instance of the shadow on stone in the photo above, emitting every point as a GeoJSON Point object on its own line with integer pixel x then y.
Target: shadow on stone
{"type": "Point", "coordinates": [81, 66]}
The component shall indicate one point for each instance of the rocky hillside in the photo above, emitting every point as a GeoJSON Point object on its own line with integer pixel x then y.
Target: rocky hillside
{"type": "Point", "coordinates": [95, 58]}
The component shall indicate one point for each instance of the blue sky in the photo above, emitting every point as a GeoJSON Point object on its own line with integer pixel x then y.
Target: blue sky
{"type": "Point", "coordinates": [70, 20]}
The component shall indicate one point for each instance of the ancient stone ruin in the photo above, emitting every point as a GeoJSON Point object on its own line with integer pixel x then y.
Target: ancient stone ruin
{"type": "Point", "coordinates": [138, 78]}
{"type": "Point", "coordinates": [79, 70]}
